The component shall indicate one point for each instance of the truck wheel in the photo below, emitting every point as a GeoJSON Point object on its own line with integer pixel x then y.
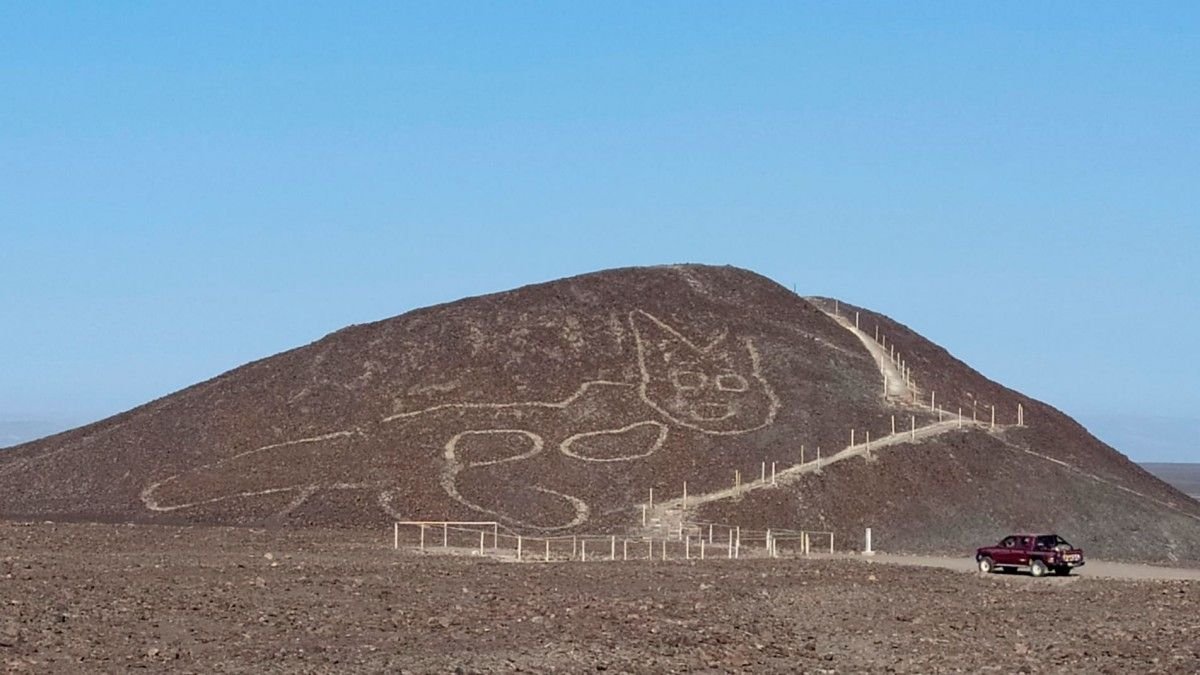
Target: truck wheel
{"type": "Point", "coordinates": [987, 565]}
{"type": "Point", "coordinates": [1038, 568]}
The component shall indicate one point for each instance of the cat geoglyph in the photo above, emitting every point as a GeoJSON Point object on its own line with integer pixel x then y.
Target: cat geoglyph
{"type": "Point", "coordinates": [494, 463]}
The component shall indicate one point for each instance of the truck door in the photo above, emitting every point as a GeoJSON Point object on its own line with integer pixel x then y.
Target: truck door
{"type": "Point", "coordinates": [1024, 545]}
{"type": "Point", "coordinates": [1006, 553]}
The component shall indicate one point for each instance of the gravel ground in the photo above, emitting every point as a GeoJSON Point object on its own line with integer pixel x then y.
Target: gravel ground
{"type": "Point", "coordinates": [110, 598]}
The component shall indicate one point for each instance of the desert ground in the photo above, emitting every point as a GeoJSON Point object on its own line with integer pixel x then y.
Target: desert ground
{"type": "Point", "coordinates": [108, 598]}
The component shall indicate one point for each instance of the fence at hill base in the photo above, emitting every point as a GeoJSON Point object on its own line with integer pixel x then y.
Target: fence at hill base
{"type": "Point", "coordinates": [693, 541]}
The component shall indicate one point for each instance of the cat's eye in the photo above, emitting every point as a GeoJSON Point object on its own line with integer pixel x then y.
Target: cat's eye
{"type": "Point", "coordinates": [732, 382]}
{"type": "Point", "coordinates": [688, 379]}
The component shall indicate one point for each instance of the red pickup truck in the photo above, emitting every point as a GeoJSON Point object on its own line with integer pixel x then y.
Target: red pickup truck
{"type": "Point", "coordinates": [1041, 553]}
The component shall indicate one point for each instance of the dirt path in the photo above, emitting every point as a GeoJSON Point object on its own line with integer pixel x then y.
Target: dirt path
{"type": "Point", "coordinates": [792, 473]}
{"type": "Point", "coordinates": [241, 600]}
{"type": "Point", "coordinates": [893, 376]}
{"type": "Point", "coordinates": [1099, 569]}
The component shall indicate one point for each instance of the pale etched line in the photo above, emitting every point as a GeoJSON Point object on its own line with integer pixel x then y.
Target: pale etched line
{"type": "Point", "coordinates": [756, 372]}
{"type": "Point", "coordinates": [1103, 481]}
{"type": "Point", "coordinates": [151, 503]}
{"type": "Point", "coordinates": [154, 506]}
{"type": "Point", "coordinates": [565, 446]}
{"type": "Point", "coordinates": [521, 404]}
{"type": "Point", "coordinates": [451, 449]}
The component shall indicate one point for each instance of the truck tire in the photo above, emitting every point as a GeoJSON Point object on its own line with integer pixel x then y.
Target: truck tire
{"type": "Point", "coordinates": [1038, 568]}
{"type": "Point", "coordinates": [987, 565]}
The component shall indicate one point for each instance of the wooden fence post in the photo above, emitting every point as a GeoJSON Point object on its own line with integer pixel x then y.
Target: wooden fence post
{"type": "Point", "coordinates": [547, 550]}
{"type": "Point", "coordinates": [445, 535]}
{"type": "Point", "coordinates": [913, 432]}
{"type": "Point", "coordinates": [518, 548]}
{"type": "Point", "coordinates": [482, 537]}
{"type": "Point", "coordinates": [613, 553]}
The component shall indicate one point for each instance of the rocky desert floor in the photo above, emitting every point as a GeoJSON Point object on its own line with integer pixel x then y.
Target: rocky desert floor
{"type": "Point", "coordinates": [114, 598]}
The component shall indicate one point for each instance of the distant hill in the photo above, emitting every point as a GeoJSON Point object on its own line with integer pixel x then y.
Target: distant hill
{"type": "Point", "coordinates": [14, 432]}
{"type": "Point", "coordinates": [556, 408]}
{"type": "Point", "coordinates": [1148, 438]}
{"type": "Point", "coordinates": [1185, 477]}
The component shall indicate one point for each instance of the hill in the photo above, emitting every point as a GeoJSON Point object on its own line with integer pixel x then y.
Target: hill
{"type": "Point", "coordinates": [557, 407]}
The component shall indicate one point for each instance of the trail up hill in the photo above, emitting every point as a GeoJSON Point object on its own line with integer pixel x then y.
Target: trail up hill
{"type": "Point", "coordinates": [555, 408]}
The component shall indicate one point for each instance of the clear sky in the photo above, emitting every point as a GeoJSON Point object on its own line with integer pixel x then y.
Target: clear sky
{"type": "Point", "coordinates": [188, 186]}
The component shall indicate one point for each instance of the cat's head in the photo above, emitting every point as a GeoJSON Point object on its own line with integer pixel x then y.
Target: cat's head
{"type": "Point", "coordinates": [717, 388]}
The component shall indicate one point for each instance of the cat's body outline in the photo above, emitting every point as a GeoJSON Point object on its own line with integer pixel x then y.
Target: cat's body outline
{"type": "Point", "coordinates": [663, 355]}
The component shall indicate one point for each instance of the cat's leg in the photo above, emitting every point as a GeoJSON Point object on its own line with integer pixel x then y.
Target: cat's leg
{"type": "Point", "coordinates": [630, 442]}
{"type": "Point", "coordinates": [488, 470]}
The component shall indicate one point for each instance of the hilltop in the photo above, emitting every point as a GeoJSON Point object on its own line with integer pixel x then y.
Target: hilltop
{"type": "Point", "coordinates": [557, 407]}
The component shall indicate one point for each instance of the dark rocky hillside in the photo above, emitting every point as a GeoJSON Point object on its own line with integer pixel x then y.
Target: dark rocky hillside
{"type": "Point", "coordinates": [555, 408]}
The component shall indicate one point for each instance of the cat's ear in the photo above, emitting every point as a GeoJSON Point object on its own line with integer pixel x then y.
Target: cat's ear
{"type": "Point", "coordinates": [660, 343]}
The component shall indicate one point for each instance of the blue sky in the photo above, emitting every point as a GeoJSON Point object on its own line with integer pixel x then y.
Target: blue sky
{"type": "Point", "coordinates": [186, 187]}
